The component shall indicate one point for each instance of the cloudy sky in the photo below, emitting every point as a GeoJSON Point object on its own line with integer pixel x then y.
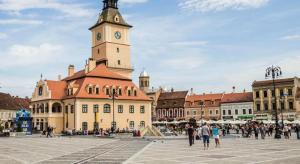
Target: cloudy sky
{"type": "Point", "coordinates": [208, 45]}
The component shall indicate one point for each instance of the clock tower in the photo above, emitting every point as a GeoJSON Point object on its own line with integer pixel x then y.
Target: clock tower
{"type": "Point", "coordinates": [110, 40]}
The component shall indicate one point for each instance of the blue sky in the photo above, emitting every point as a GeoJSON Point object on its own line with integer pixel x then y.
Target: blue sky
{"type": "Point", "coordinates": [208, 45]}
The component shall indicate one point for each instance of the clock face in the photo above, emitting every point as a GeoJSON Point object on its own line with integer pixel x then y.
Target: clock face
{"type": "Point", "coordinates": [118, 35]}
{"type": "Point", "coordinates": [99, 36]}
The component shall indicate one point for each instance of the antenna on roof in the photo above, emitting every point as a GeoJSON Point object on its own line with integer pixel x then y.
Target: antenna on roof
{"type": "Point", "coordinates": [41, 76]}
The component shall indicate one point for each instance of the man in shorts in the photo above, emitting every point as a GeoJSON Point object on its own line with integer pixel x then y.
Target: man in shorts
{"type": "Point", "coordinates": [205, 135]}
{"type": "Point", "coordinates": [216, 135]}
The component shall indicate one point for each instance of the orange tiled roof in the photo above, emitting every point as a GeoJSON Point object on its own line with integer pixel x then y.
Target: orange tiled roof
{"type": "Point", "coordinates": [99, 71]}
{"type": "Point", "coordinates": [204, 97]}
{"type": "Point", "coordinates": [100, 77]}
{"type": "Point", "coordinates": [57, 88]}
{"type": "Point", "coordinates": [9, 102]}
{"type": "Point", "coordinates": [237, 97]}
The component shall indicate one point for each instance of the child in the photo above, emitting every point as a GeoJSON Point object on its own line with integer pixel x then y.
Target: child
{"type": "Point", "coordinates": [216, 135]}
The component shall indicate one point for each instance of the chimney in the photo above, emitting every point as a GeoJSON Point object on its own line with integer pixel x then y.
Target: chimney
{"type": "Point", "coordinates": [192, 91]}
{"type": "Point", "coordinates": [71, 70]}
{"type": "Point", "coordinates": [59, 77]}
{"type": "Point", "coordinates": [91, 64]}
{"type": "Point", "coordinates": [172, 90]}
{"type": "Point", "coordinates": [233, 89]}
{"type": "Point", "coordinates": [244, 90]}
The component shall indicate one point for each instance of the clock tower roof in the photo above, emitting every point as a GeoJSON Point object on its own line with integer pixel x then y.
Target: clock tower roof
{"type": "Point", "coordinates": [110, 14]}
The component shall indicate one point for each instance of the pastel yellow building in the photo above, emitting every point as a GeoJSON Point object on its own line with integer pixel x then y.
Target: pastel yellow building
{"type": "Point", "coordinates": [100, 95]}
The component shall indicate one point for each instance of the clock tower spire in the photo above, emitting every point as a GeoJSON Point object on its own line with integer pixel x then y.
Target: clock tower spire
{"type": "Point", "coordinates": [110, 40]}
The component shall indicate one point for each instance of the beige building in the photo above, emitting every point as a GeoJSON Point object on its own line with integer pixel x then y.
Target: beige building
{"type": "Point", "coordinates": [287, 93]}
{"type": "Point", "coordinates": [205, 106]}
{"type": "Point", "coordinates": [100, 93]}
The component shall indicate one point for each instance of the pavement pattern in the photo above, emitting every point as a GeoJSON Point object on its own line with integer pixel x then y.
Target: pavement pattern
{"type": "Point", "coordinates": [81, 150]}
{"type": "Point", "coordinates": [232, 151]}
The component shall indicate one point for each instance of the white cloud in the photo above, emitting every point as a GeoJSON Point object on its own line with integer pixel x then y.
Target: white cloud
{"type": "Point", "coordinates": [3, 35]}
{"type": "Point", "coordinates": [291, 37]}
{"type": "Point", "coordinates": [15, 6]}
{"type": "Point", "coordinates": [19, 22]}
{"type": "Point", "coordinates": [133, 1]}
{"type": "Point", "coordinates": [190, 43]}
{"type": "Point", "coordinates": [24, 55]}
{"type": "Point", "coordinates": [219, 5]}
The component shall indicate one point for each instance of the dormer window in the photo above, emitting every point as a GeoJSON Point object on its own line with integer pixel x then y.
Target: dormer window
{"type": "Point", "coordinates": [107, 91]}
{"type": "Point", "coordinates": [40, 91]}
{"type": "Point", "coordinates": [90, 90]}
{"type": "Point", "coordinates": [129, 92]}
{"type": "Point", "coordinates": [135, 93]}
{"type": "Point", "coordinates": [117, 19]}
{"type": "Point", "coordinates": [97, 91]}
{"type": "Point", "coordinates": [120, 92]}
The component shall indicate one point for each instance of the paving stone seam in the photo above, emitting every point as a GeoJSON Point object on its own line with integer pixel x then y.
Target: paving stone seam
{"type": "Point", "coordinates": [138, 153]}
{"type": "Point", "coordinates": [94, 156]}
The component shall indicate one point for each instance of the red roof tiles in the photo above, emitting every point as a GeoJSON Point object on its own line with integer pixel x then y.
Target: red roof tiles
{"type": "Point", "coordinates": [237, 97]}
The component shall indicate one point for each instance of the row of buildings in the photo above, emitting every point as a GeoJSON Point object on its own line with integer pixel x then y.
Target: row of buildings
{"type": "Point", "coordinates": [102, 94]}
{"type": "Point", "coordinates": [258, 104]}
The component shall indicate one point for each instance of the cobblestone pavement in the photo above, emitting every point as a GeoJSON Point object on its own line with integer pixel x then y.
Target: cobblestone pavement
{"type": "Point", "coordinates": [232, 151]}
{"type": "Point", "coordinates": [79, 150]}
{"type": "Point", "coordinates": [67, 150]}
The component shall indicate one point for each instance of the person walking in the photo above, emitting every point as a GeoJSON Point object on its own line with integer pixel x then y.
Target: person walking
{"type": "Point", "coordinates": [205, 134]}
{"type": "Point", "coordinates": [262, 131]}
{"type": "Point", "coordinates": [190, 132]}
{"type": "Point", "coordinates": [215, 132]}
{"type": "Point", "coordinates": [49, 132]}
{"type": "Point", "coordinates": [286, 132]}
{"type": "Point", "coordinates": [256, 129]}
{"type": "Point", "coordinates": [199, 131]}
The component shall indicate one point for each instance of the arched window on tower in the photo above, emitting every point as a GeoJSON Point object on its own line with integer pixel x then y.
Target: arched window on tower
{"type": "Point", "coordinates": [40, 91]}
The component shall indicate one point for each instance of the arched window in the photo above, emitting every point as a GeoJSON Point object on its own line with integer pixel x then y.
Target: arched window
{"type": "Point", "coordinates": [106, 108]}
{"type": "Point", "coordinates": [40, 91]}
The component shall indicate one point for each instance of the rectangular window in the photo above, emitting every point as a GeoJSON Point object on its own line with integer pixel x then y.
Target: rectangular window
{"type": "Point", "coordinates": [202, 113]}
{"type": "Point", "coordinates": [291, 105]}
{"type": "Point", "coordinates": [120, 108]}
{"type": "Point", "coordinates": [120, 92]}
{"type": "Point", "coordinates": [131, 124]}
{"type": "Point", "coordinates": [119, 62]}
{"type": "Point", "coordinates": [273, 93]}
{"type": "Point", "coordinates": [217, 112]}
{"type": "Point", "coordinates": [107, 91]}
{"type": "Point", "coordinates": [194, 112]}
{"type": "Point", "coordinates": [250, 111]}
{"type": "Point", "coordinates": [84, 108]}
{"type": "Point", "coordinates": [224, 112]}
{"type": "Point", "coordinates": [66, 109]}
{"type": "Point", "coordinates": [244, 111]}
{"type": "Point", "coordinates": [290, 92]}
{"type": "Point", "coordinates": [257, 94]}
{"type": "Point", "coordinates": [142, 109]}
{"type": "Point", "coordinates": [210, 112]}
{"type": "Point", "coordinates": [282, 105]}
{"type": "Point", "coordinates": [96, 108]}
{"type": "Point", "coordinates": [84, 126]}
{"type": "Point", "coordinates": [97, 91]}
{"type": "Point", "coordinates": [273, 106]}
{"type": "Point", "coordinates": [236, 112]}
{"type": "Point", "coordinates": [229, 112]}
{"type": "Point", "coordinates": [281, 92]}
{"type": "Point", "coordinates": [266, 106]}
{"type": "Point", "coordinates": [142, 124]}
{"type": "Point", "coordinates": [72, 108]}
{"type": "Point", "coordinates": [265, 94]}
{"type": "Point", "coordinates": [131, 109]}
{"type": "Point", "coordinates": [258, 107]}
{"type": "Point", "coordinates": [106, 108]}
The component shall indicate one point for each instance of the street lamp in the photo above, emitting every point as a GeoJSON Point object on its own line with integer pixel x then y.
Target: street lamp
{"type": "Point", "coordinates": [202, 105]}
{"type": "Point", "coordinates": [113, 96]}
{"type": "Point", "coordinates": [282, 98]}
{"type": "Point", "coordinates": [274, 72]}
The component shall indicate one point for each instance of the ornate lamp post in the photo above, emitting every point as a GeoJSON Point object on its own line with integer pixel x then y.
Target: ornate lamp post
{"type": "Point", "coordinates": [282, 98]}
{"type": "Point", "coordinates": [274, 72]}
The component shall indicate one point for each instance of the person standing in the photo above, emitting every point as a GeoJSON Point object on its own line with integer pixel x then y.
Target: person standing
{"type": "Point", "coordinates": [205, 134]}
{"type": "Point", "coordinates": [199, 130]}
{"type": "Point", "coordinates": [190, 132]}
{"type": "Point", "coordinates": [256, 129]}
{"type": "Point", "coordinates": [215, 131]}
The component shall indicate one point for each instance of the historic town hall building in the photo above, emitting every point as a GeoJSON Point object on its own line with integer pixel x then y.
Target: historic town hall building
{"type": "Point", "coordinates": [100, 95]}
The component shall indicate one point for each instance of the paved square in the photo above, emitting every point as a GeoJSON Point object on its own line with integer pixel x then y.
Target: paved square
{"type": "Point", "coordinates": [75, 150]}
{"type": "Point", "coordinates": [232, 151]}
